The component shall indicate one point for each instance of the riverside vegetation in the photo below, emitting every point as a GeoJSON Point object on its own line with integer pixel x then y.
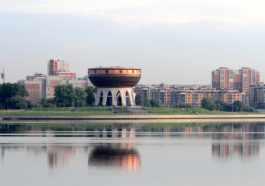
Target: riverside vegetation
{"type": "Point", "coordinates": [76, 101]}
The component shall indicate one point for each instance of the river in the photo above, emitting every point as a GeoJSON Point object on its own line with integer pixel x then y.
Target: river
{"type": "Point", "coordinates": [72, 153]}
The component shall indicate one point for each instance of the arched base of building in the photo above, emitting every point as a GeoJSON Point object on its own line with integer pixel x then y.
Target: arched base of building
{"type": "Point", "coordinates": [115, 97]}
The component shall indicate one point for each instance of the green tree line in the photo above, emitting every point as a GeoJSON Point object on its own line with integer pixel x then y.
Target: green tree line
{"type": "Point", "coordinates": [68, 96]}
{"type": "Point", "coordinates": [206, 103]}
{"type": "Point", "coordinates": [237, 106]}
{"type": "Point", "coordinates": [147, 102]}
{"type": "Point", "coordinates": [14, 96]}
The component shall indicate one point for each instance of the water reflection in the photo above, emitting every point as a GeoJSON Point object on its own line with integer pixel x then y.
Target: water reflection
{"type": "Point", "coordinates": [115, 155]}
{"type": "Point", "coordinates": [59, 156]}
{"type": "Point", "coordinates": [227, 151]}
{"type": "Point", "coordinates": [100, 154]}
{"type": "Point", "coordinates": [227, 140]}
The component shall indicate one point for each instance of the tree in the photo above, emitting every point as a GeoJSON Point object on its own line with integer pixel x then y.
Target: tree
{"type": "Point", "coordinates": [237, 106]}
{"type": "Point", "coordinates": [90, 98]}
{"type": "Point", "coordinates": [154, 103]}
{"type": "Point", "coordinates": [80, 97]}
{"type": "Point", "coordinates": [18, 102]}
{"type": "Point", "coordinates": [183, 106]}
{"type": "Point", "coordinates": [146, 103]}
{"type": "Point", "coordinates": [207, 103]}
{"type": "Point", "coordinates": [64, 95]}
{"type": "Point", "coordinates": [9, 90]}
{"type": "Point", "coordinates": [247, 108]}
{"type": "Point", "coordinates": [138, 100]}
{"type": "Point", "coordinates": [47, 103]}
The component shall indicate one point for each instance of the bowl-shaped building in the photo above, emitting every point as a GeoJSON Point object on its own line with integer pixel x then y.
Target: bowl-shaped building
{"type": "Point", "coordinates": [114, 85]}
{"type": "Point", "coordinates": [114, 77]}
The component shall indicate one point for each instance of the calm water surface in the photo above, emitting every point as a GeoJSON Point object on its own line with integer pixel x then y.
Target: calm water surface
{"type": "Point", "coordinates": [132, 154]}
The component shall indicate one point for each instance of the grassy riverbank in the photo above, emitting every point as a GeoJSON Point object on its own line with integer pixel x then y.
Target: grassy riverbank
{"type": "Point", "coordinates": [188, 111]}
{"type": "Point", "coordinates": [60, 111]}
{"type": "Point", "coordinates": [75, 126]}
{"type": "Point", "coordinates": [109, 111]}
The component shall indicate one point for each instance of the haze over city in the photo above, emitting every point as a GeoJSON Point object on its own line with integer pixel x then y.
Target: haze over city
{"type": "Point", "coordinates": [173, 42]}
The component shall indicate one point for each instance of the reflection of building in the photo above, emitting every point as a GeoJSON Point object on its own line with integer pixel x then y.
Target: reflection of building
{"type": "Point", "coordinates": [244, 148]}
{"type": "Point", "coordinates": [115, 155]}
{"type": "Point", "coordinates": [114, 85]}
{"type": "Point", "coordinates": [228, 150]}
{"type": "Point", "coordinates": [59, 156]}
{"type": "Point", "coordinates": [228, 140]}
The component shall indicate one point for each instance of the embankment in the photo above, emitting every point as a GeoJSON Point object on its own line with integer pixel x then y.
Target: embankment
{"type": "Point", "coordinates": [130, 117]}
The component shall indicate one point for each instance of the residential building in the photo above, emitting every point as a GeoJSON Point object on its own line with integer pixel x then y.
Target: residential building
{"type": "Point", "coordinates": [223, 79]}
{"type": "Point", "coordinates": [56, 65]}
{"type": "Point", "coordinates": [52, 81]}
{"type": "Point", "coordinates": [40, 86]}
{"type": "Point", "coordinates": [194, 97]}
{"type": "Point", "coordinates": [257, 96]}
{"type": "Point", "coordinates": [35, 86]}
{"type": "Point", "coordinates": [241, 80]}
{"type": "Point", "coordinates": [248, 77]}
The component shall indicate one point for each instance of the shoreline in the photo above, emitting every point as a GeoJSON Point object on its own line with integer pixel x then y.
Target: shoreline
{"type": "Point", "coordinates": [150, 117]}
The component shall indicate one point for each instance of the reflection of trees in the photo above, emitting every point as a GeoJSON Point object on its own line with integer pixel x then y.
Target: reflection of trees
{"type": "Point", "coordinates": [115, 155]}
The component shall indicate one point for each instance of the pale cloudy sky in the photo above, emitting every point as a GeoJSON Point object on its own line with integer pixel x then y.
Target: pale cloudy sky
{"type": "Point", "coordinates": [173, 41]}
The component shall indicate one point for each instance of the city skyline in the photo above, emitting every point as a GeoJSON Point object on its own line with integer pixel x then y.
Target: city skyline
{"type": "Point", "coordinates": [161, 37]}
{"type": "Point", "coordinates": [45, 72]}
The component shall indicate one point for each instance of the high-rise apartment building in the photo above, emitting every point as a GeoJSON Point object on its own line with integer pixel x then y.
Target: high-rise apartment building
{"type": "Point", "coordinates": [241, 80]}
{"type": "Point", "coordinates": [223, 79]}
{"type": "Point", "coordinates": [248, 77]}
{"type": "Point", "coordinates": [56, 65]}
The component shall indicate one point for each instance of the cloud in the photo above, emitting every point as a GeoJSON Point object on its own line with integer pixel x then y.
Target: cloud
{"type": "Point", "coordinates": [231, 13]}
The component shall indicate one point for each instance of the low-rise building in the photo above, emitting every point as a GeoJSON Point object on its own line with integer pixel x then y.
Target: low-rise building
{"type": "Point", "coordinates": [52, 81]}
{"type": "Point", "coordinates": [35, 89]}
{"type": "Point", "coordinates": [35, 86]}
{"type": "Point", "coordinates": [188, 95]}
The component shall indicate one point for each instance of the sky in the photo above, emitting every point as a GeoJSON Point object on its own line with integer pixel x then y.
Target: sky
{"type": "Point", "coordinates": [173, 41]}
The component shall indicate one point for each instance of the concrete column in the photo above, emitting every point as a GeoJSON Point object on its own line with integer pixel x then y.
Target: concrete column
{"type": "Point", "coordinates": [97, 97]}
{"type": "Point", "coordinates": [114, 92]}
{"type": "Point", "coordinates": [105, 95]}
{"type": "Point", "coordinates": [131, 97]}
{"type": "Point", "coordinates": [123, 97]}
{"type": "Point", "coordinates": [114, 98]}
